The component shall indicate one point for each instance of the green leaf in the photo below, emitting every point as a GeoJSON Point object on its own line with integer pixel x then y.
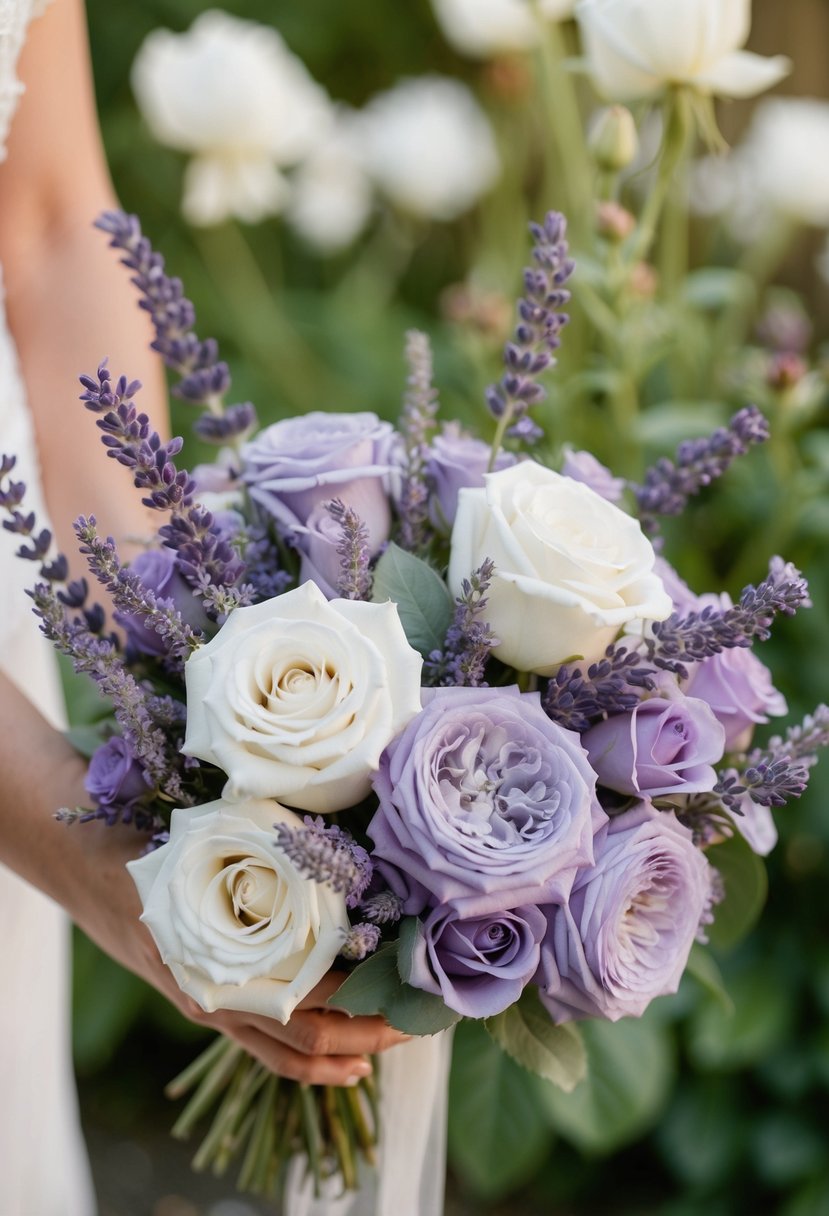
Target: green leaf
{"type": "Point", "coordinates": [87, 739]}
{"type": "Point", "coordinates": [527, 1033]}
{"type": "Point", "coordinates": [757, 1027]}
{"type": "Point", "coordinates": [498, 1133]}
{"type": "Point", "coordinates": [704, 970]}
{"type": "Point", "coordinates": [375, 986]}
{"type": "Point", "coordinates": [629, 1074]}
{"type": "Point", "coordinates": [422, 598]}
{"type": "Point", "coordinates": [746, 886]}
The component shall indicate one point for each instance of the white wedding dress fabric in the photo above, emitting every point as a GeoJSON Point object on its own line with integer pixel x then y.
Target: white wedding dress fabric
{"type": "Point", "coordinates": [43, 1165]}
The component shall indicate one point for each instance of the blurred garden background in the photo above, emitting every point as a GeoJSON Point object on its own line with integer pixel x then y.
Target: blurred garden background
{"type": "Point", "coordinates": [713, 1103]}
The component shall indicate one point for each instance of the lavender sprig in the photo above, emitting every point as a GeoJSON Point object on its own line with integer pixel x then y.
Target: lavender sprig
{"type": "Point", "coordinates": [98, 657]}
{"type": "Point", "coordinates": [670, 483]}
{"type": "Point", "coordinates": [537, 334]}
{"type": "Point", "coordinates": [384, 908]}
{"type": "Point", "coordinates": [420, 405]}
{"type": "Point", "coordinates": [130, 595]}
{"type": "Point", "coordinates": [355, 580]}
{"type": "Point", "coordinates": [327, 854]}
{"type": "Point", "coordinates": [130, 440]}
{"type": "Point", "coordinates": [801, 742]}
{"type": "Point", "coordinates": [360, 941]}
{"type": "Point", "coordinates": [205, 379]}
{"type": "Point", "coordinates": [613, 685]}
{"type": "Point", "coordinates": [205, 556]}
{"type": "Point", "coordinates": [771, 782]}
{"type": "Point", "coordinates": [469, 639]}
{"type": "Point", "coordinates": [700, 635]}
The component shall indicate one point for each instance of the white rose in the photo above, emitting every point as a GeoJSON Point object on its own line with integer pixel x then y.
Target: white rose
{"type": "Point", "coordinates": [296, 698]}
{"type": "Point", "coordinates": [237, 924]}
{"type": "Point", "coordinates": [481, 28]}
{"type": "Point", "coordinates": [636, 47]}
{"type": "Point", "coordinates": [571, 569]}
{"type": "Point", "coordinates": [429, 147]}
{"type": "Point", "coordinates": [231, 93]}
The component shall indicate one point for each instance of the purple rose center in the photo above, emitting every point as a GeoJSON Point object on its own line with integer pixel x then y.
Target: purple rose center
{"type": "Point", "coordinates": [495, 788]}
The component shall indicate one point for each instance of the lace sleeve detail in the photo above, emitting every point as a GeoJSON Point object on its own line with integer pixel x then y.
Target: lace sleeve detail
{"type": "Point", "coordinates": [15, 16]}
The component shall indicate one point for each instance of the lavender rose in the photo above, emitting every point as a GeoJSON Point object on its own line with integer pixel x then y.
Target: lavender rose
{"type": "Point", "coordinates": [457, 460]}
{"type": "Point", "coordinates": [301, 463]}
{"type": "Point", "coordinates": [584, 467]}
{"type": "Point", "coordinates": [115, 778]}
{"type": "Point", "coordinates": [479, 965]}
{"type": "Point", "coordinates": [483, 795]}
{"type": "Point", "coordinates": [158, 572]}
{"type": "Point", "coordinates": [666, 745]}
{"type": "Point", "coordinates": [624, 935]}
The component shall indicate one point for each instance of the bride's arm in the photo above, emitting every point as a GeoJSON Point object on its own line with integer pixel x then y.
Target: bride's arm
{"type": "Point", "coordinates": [82, 866]}
{"type": "Point", "coordinates": [69, 304]}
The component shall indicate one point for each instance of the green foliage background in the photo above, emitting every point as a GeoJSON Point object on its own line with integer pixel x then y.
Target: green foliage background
{"type": "Point", "coordinates": [712, 1104]}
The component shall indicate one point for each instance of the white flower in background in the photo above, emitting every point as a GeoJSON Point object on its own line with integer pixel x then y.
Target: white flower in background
{"type": "Point", "coordinates": [230, 93]}
{"type": "Point", "coordinates": [429, 147]}
{"type": "Point", "coordinates": [786, 154]}
{"type": "Point", "coordinates": [237, 924]}
{"type": "Point", "coordinates": [480, 28]}
{"type": "Point", "coordinates": [296, 698]}
{"type": "Point", "coordinates": [636, 47]}
{"type": "Point", "coordinates": [331, 194]}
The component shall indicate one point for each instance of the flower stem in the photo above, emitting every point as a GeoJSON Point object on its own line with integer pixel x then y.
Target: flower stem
{"type": "Point", "coordinates": [211, 1086]}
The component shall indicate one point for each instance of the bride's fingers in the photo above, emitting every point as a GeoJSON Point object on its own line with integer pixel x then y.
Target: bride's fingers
{"type": "Point", "coordinates": [317, 1033]}
{"type": "Point", "coordinates": [285, 1061]}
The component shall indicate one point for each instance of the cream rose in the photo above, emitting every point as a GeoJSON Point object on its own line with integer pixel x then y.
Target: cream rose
{"type": "Point", "coordinates": [237, 924]}
{"type": "Point", "coordinates": [296, 698]}
{"type": "Point", "coordinates": [634, 48]}
{"type": "Point", "coordinates": [571, 569]}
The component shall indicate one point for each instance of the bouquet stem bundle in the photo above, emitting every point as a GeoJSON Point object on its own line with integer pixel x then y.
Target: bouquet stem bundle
{"type": "Point", "coordinates": [262, 1121]}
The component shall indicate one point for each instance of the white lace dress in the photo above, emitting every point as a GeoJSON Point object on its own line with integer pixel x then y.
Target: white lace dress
{"type": "Point", "coordinates": [43, 1168]}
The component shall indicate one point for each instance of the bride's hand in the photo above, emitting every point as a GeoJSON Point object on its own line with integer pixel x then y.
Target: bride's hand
{"type": "Point", "coordinates": [318, 1045]}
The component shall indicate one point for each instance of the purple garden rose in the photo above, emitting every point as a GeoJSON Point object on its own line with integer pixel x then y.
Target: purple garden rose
{"type": "Point", "coordinates": [301, 463]}
{"type": "Point", "coordinates": [457, 460]}
{"type": "Point", "coordinates": [114, 777]}
{"type": "Point", "coordinates": [482, 795]}
{"type": "Point", "coordinates": [584, 467]}
{"type": "Point", "coordinates": [157, 570]}
{"type": "Point", "coordinates": [666, 745]}
{"type": "Point", "coordinates": [479, 965]}
{"type": "Point", "coordinates": [624, 935]}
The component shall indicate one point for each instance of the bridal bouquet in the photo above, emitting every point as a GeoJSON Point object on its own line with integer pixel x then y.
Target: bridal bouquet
{"type": "Point", "coordinates": [414, 706]}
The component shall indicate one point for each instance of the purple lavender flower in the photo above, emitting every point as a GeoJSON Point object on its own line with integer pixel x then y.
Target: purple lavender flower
{"type": "Point", "coordinates": [624, 934]}
{"type": "Point", "coordinates": [156, 570]}
{"type": "Point", "coordinates": [457, 460]}
{"type": "Point", "coordinates": [478, 964]}
{"type": "Point", "coordinates": [362, 940]}
{"type": "Point", "coordinates": [327, 853]}
{"type": "Point", "coordinates": [669, 484]}
{"type": "Point", "coordinates": [335, 552]}
{"type": "Point", "coordinates": [482, 795]}
{"type": "Point", "coordinates": [115, 778]}
{"type": "Point", "coordinates": [667, 745]}
{"type": "Point", "coordinates": [469, 640]}
{"type": "Point", "coordinates": [420, 405]}
{"type": "Point", "coordinates": [736, 685]}
{"type": "Point", "coordinates": [537, 333]}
